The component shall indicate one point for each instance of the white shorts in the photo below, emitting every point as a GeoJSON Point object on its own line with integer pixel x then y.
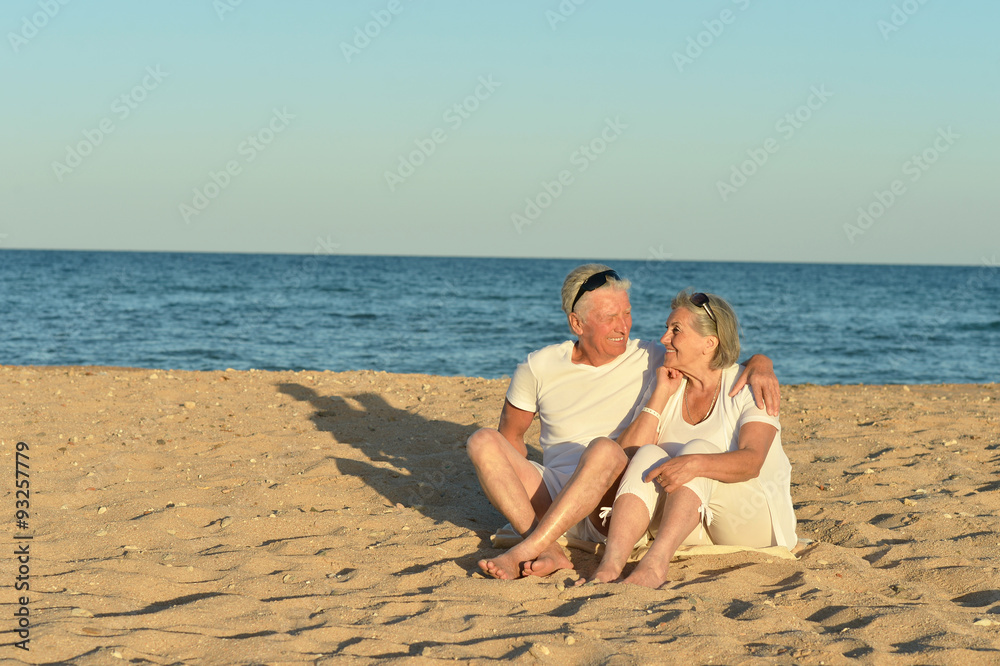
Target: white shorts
{"type": "Point", "coordinates": [555, 480]}
{"type": "Point", "coordinates": [732, 513]}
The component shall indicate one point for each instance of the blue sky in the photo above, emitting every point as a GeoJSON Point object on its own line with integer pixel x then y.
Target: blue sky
{"type": "Point", "coordinates": [849, 131]}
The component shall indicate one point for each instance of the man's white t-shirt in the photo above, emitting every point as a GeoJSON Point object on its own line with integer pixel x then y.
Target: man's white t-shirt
{"type": "Point", "coordinates": [577, 403]}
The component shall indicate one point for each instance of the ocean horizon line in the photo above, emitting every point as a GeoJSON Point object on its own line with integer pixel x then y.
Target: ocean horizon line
{"type": "Point", "coordinates": [106, 367]}
{"type": "Point", "coordinates": [990, 262]}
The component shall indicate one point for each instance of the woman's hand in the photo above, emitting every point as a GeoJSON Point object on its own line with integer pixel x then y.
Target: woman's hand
{"type": "Point", "coordinates": [675, 472]}
{"type": "Point", "coordinates": [668, 380]}
{"type": "Point", "coordinates": [645, 428]}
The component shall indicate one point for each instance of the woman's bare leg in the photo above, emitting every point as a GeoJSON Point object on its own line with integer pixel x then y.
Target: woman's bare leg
{"type": "Point", "coordinates": [630, 520]}
{"type": "Point", "coordinates": [680, 517]}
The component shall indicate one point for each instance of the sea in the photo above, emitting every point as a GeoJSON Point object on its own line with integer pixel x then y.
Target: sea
{"type": "Point", "coordinates": [819, 323]}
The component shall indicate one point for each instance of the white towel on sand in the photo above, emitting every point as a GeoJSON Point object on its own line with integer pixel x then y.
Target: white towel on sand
{"type": "Point", "coordinates": [506, 537]}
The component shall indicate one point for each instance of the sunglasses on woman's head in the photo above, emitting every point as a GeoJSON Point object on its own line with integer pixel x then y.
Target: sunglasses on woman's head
{"type": "Point", "coordinates": [700, 300]}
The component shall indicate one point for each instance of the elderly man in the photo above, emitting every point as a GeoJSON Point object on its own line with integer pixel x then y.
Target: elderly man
{"type": "Point", "coordinates": [582, 390]}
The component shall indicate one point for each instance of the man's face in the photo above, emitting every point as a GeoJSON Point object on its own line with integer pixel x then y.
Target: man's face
{"type": "Point", "coordinates": [602, 321]}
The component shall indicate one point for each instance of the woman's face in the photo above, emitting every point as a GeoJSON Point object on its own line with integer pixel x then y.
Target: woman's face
{"type": "Point", "coordinates": [686, 348]}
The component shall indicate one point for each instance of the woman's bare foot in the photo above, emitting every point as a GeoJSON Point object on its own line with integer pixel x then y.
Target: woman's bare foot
{"type": "Point", "coordinates": [551, 559]}
{"type": "Point", "coordinates": [606, 573]}
{"type": "Point", "coordinates": [647, 576]}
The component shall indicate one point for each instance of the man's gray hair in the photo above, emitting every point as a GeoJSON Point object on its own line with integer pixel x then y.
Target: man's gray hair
{"type": "Point", "coordinates": [579, 275]}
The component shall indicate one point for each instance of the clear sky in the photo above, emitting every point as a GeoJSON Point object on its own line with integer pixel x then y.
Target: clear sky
{"type": "Point", "coordinates": [722, 130]}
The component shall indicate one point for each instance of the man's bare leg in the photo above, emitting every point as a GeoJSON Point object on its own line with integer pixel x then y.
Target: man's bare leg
{"type": "Point", "coordinates": [539, 554]}
{"type": "Point", "coordinates": [553, 558]}
{"type": "Point", "coordinates": [680, 517]}
{"type": "Point", "coordinates": [630, 520]}
{"type": "Point", "coordinates": [511, 483]}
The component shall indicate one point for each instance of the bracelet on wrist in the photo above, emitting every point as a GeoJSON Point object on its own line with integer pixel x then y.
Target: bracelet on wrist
{"type": "Point", "coordinates": [650, 410]}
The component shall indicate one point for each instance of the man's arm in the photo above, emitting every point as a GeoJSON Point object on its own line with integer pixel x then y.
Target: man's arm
{"type": "Point", "coordinates": [514, 423]}
{"type": "Point", "coordinates": [759, 373]}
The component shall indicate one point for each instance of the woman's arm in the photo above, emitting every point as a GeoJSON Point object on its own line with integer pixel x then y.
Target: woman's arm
{"type": "Point", "coordinates": [730, 467]}
{"type": "Point", "coordinates": [645, 428]}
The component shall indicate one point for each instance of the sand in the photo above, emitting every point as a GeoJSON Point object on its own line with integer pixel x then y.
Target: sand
{"type": "Point", "coordinates": [313, 517]}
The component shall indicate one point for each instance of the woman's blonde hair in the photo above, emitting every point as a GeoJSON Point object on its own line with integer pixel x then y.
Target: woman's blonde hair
{"type": "Point", "coordinates": [725, 327]}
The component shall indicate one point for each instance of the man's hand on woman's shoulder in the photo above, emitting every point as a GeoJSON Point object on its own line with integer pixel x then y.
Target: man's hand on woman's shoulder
{"type": "Point", "coordinates": [759, 374]}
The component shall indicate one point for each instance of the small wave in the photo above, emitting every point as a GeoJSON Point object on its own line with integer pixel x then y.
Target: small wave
{"type": "Point", "coordinates": [356, 316]}
{"type": "Point", "coordinates": [195, 353]}
{"type": "Point", "coordinates": [979, 327]}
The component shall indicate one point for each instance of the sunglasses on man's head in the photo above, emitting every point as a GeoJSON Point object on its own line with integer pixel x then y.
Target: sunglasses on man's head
{"type": "Point", "coordinates": [595, 281]}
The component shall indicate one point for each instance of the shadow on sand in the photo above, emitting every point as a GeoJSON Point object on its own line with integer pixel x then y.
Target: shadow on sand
{"type": "Point", "coordinates": [429, 471]}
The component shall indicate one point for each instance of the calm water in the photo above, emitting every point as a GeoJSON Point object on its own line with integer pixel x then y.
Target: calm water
{"type": "Point", "coordinates": [820, 323]}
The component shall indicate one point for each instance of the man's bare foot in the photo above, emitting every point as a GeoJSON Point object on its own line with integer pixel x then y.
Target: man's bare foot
{"type": "Point", "coordinates": [606, 573]}
{"type": "Point", "coordinates": [503, 567]}
{"type": "Point", "coordinates": [551, 559]}
{"type": "Point", "coordinates": [646, 577]}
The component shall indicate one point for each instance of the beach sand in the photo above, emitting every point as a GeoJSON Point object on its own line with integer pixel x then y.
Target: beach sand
{"type": "Point", "coordinates": [313, 517]}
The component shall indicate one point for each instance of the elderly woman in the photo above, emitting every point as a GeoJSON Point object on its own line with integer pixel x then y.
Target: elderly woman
{"type": "Point", "coordinates": [717, 462]}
